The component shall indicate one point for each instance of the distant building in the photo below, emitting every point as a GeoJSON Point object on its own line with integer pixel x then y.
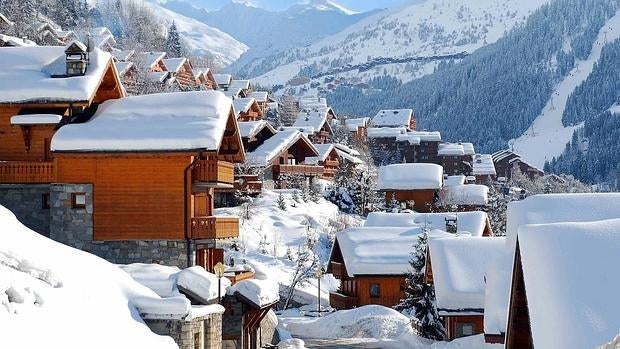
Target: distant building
{"type": "Point", "coordinates": [507, 161]}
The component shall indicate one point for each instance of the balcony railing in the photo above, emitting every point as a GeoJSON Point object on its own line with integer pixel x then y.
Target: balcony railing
{"type": "Point", "coordinates": [331, 163]}
{"type": "Point", "coordinates": [309, 170]}
{"type": "Point", "coordinates": [215, 227]}
{"type": "Point", "coordinates": [250, 183]}
{"type": "Point", "coordinates": [26, 172]}
{"type": "Point", "coordinates": [213, 171]}
{"type": "Point", "coordinates": [341, 301]}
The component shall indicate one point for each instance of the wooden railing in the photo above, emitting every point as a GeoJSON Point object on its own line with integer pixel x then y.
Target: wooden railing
{"type": "Point", "coordinates": [26, 172]}
{"type": "Point", "coordinates": [213, 171]}
{"type": "Point", "coordinates": [337, 269]}
{"type": "Point", "coordinates": [215, 227]}
{"type": "Point", "coordinates": [299, 169]}
{"type": "Point", "coordinates": [331, 163]}
{"type": "Point", "coordinates": [341, 301]}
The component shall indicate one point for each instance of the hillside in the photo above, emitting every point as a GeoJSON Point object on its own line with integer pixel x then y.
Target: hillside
{"type": "Point", "coordinates": [418, 29]}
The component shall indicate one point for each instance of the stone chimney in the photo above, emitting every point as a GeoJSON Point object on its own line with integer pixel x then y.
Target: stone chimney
{"type": "Point", "coordinates": [76, 59]}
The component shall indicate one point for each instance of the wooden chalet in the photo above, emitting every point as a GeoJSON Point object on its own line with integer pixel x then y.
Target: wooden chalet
{"type": "Point", "coordinates": [262, 98]}
{"type": "Point", "coordinates": [283, 159]}
{"type": "Point", "coordinates": [458, 195]}
{"type": "Point", "coordinates": [415, 186]}
{"type": "Point", "coordinates": [394, 118]}
{"type": "Point", "coordinates": [153, 163]}
{"type": "Point", "coordinates": [357, 127]}
{"type": "Point", "coordinates": [458, 271]}
{"type": "Point", "coordinates": [151, 61]}
{"type": "Point", "coordinates": [483, 169]}
{"type": "Point", "coordinates": [328, 158]}
{"type": "Point", "coordinates": [397, 145]}
{"type": "Point", "coordinates": [507, 161]}
{"type": "Point", "coordinates": [456, 158]}
{"type": "Point", "coordinates": [42, 89]}
{"type": "Point", "coordinates": [348, 155]}
{"type": "Point", "coordinates": [316, 124]}
{"type": "Point", "coordinates": [247, 109]}
{"type": "Point", "coordinates": [205, 78]}
{"type": "Point", "coordinates": [181, 69]}
{"type": "Point", "coordinates": [223, 80]}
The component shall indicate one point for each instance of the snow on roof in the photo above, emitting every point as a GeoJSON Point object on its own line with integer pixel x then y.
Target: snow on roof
{"type": "Point", "coordinates": [310, 120]}
{"type": "Point", "coordinates": [450, 181]}
{"type": "Point", "coordinates": [181, 121]}
{"type": "Point", "coordinates": [455, 149]}
{"type": "Point", "coordinates": [232, 92]}
{"type": "Point", "coordinates": [347, 149]}
{"type": "Point", "coordinates": [312, 102]}
{"type": "Point", "coordinates": [273, 146]}
{"type": "Point", "coordinates": [570, 273]}
{"type": "Point", "coordinates": [324, 150]}
{"type": "Point", "coordinates": [123, 67]}
{"type": "Point", "coordinates": [249, 129]}
{"type": "Point", "coordinates": [240, 84]}
{"type": "Point", "coordinates": [474, 222]}
{"type": "Point", "coordinates": [149, 59]}
{"type": "Point", "coordinates": [497, 292]}
{"type": "Point", "coordinates": [261, 293]}
{"type": "Point", "coordinates": [459, 264]}
{"type": "Point", "coordinates": [123, 55]}
{"type": "Point", "coordinates": [502, 154]}
{"type": "Point", "coordinates": [201, 284]}
{"type": "Point", "coordinates": [174, 65]}
{"type": "Point", "coordinates": [158, 76]}
{"type": "Point", "coordinates": [379, 250]}
{"type": "Point", "coordinates": [243, 105]}
{"type": "Point", "coordinates": [426, 136]}
{"type": "Point", "coordinates": [355, 123]}
{"type": "Point", "coordinates": [393, 117]}
{"type": "Point", "coordinates": [222, 79]}
{"type": "Point", "coordinates": [26, 75]}
{"type": "Point", "coordinates": [346, 156]}
{"type": "Point", "coordinates": [15, 41]}
{"type": "Point", "coordinates": [385, 132]}
{"type": "Point", "coordinates": [465, 194]}
{"type": "Point", "coordinates": [483, 165]}
{"type": "Point", "coordinates": [260, 96]}
{"type": "Point", "coordinates": [412, 176]}
{"type": "Point", "coordinates": [36, 119]}
{"type": "Point", "coordinates": [406, 137]}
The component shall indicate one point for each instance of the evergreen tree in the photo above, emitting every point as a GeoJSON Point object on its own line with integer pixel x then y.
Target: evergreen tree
{"type": "Point", "coordinates": [420, 297]}
{"type": "Point", "coordinates": [281, 202]}
{"type": "Point", "coordinates": [173, 42]}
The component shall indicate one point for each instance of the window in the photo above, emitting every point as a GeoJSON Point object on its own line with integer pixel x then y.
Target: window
{"type": "Point", "coordinates": [291, 161]}
{"type": "Point", "coordinates": [465, 329]}
{"type": "Point", "coordinates": [78, 200]}
{"type": "Point", "coordinates": [45, 201]}
{"type": "Point", "coordinates": [374, 290]}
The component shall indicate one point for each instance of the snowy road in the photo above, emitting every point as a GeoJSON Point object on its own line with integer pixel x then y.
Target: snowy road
{"type": "Point", "coordinates": [343, 343]}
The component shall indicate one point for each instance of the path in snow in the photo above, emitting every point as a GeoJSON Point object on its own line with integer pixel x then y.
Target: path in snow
{"type": "Point", "coordinates": [547, 137]}
{"type": "Point", "coordinates": [343, 343]}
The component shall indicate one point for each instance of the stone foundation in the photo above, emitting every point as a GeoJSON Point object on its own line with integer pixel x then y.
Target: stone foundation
{"type": "Point", "coordinates": [27, 202]}
{"type": "Point", "coordinates": [203, 332]}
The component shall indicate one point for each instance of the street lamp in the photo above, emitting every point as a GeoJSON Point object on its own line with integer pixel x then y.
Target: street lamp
{"type": "Point", "coordinates": [218, 269]}
{"type": "Point", "coordinates": [319, 273]}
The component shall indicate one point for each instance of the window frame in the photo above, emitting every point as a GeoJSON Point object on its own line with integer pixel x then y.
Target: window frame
{"type": "Point", "coordinates": [74, 201]}
{"type": "Point", "coordinates": [377, 287]}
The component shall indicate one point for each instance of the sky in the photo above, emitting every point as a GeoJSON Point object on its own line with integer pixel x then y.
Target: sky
{"type": "Point", "coordinates": [278, 5]}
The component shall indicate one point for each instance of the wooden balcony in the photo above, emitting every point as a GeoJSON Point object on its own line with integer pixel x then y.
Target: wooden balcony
{"type": "Point", "coordinates": [215, 227]}
{"type": "Point", "coordinates": [337, 269]}
{"type": "Point", "coordinates": [14, 172]}
{"type": "Point", "coordinates": [214, 173]}
{"type": "Point", "coordinates": [249, 183]}
{"type": "Point", "coordinates": [331, 163]}
{"type": "Point", "coordinates": [341, 301]}
{"type": "Point", "coordinates": [306, 170]}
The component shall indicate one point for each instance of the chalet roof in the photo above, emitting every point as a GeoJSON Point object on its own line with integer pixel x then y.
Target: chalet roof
{"type": "Point", "coordinates": [426, 136]}
{"type": "Point", "coordinates": [569, 272]}
{"type": "Point", "coordinates": [36, 119]}
{"type": "Point", "coordinates": [260, 96]}
{"type": "Point", "coordinates": [232, 92]}
{"type": "Point", "coordinates": [12, 41]}
{"type": "Point", "coordinates": [174, 65]}
{"type": "Point", "coordinates": [241, 84]}
{"type": "Point", "coordinates": [222, 79]}
{"type": "Point", "coordinates": [149, 59]}
{"type": "Point", "coordinates": [483, 165]}
{"type": "Point", "coordinates": [273, 146]}
{"type": "Point", "coordinates": [243, 105]}
{"type": "Point", "coordinates": [250, 129]}
{"type": "Point", "coordinates": [386, 132]}
{"type": "Point", "coordinates": [459, 265]}
{"type": "Point", "coordinates": [124, 55]}
{"type": "Point", "coordinates": [182, 121]}
{"type": "Point", "coordinates": [324, 150]}
{"type": "Point", "coordinates": [260, 293]}
{"type": "Point", "coordinates": [503, 154]}
{"type": "Point", "coordinates": [347, 149]}
{"type": "Point", "coordinates": [349, 157]}
{"type": "Point", "coordinates": [311, 121]}
{"type": "Point", "coordinates": [379, 250]}
{"type": "Point", "coordinates": [76, 46]}
{"type": "Point", "coordinates": [158, 76]}
{"type": "Point", "coordinates": [407, 137]}
{"type": "Point", "coordinates": [453, 180]}
{"type": "Point", "coordinates": [411, 176]}
{"type": "Point", "coordinates": [100, 36]}
{"type": "Point", "coordinates": [312, 102]}
{"type": "Point", "coordinates": [393, 118]}
{"type": "Point", "coordinates": [465, 194]}
{"type": "Point", "coordinates": [455, 149]}
{"type": "Point", "coordinates": [123, 67]}
{"type": "Point", "coordinates": [473, 223]}
{"type": "Point", "coordinates": [354, 123]}
{"type": "Point", "coordinates": [26, 75]}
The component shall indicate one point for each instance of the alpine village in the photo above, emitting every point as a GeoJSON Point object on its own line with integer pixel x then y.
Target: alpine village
{"type": "Point", "coordinates": [421, 174]}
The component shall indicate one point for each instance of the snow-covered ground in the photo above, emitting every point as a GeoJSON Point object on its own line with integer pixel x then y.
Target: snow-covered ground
{"type": "Point", "coordinates": [54, 296]}
{"type": "Point", "coordinates": [547, 137]}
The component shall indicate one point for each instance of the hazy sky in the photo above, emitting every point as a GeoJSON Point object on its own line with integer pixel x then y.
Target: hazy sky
{"type": "Point", "coordinates": [356, 5]}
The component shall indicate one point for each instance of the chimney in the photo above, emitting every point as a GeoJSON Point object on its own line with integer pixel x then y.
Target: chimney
{"type": "Point", "coordinates": [76, 59]}
{"type": "Point", "coordinates": [451, 224]}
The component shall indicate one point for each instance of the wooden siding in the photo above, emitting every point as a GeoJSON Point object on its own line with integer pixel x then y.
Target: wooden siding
{"type": "Point", "coordinates": [213, 171]}
{"type": "Point", "coordinates": [12, 141]}
{"type": "Point", "coordinates": [390, 291]}
{"type": "Point", "coordinates": [519, 332]}
{"type": "Point", "coordinates": [134, 196]}
{"type": "Point", "coordinates": [215, 227]}
{"type": "Point", "coordinates": [451, 323]}
{"type": "Point", "coordinates": [423, 199]}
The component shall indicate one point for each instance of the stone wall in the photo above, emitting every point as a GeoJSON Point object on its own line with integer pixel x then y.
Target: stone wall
{"type": "Point", "coordinates": [74, 227]}
{"type": "Point", "coordinates": [26, 201]}
{"type": "Point", "coordinates": [203, 332]}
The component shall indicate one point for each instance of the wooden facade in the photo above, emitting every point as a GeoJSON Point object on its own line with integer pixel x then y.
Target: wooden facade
{"type": "Point", "coordinates": [330, 164]}
{"type": "Point", "coordinates": [254, 113]}
{"type": "Point", "coordinates": [463, 325]}
{"type": "Point", "coordinates": [506, 162]}
{"type": "Point", "coordinates": [419, 200]}
{"type": "Point", "coordinates": [519, 332]}
{"type": "Point", "coordinates": [323, 135]}
{"type": "Point", "coordinates": [456, 165]}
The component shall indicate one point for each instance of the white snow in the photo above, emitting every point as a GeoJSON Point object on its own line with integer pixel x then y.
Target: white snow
{"type": "Point", "coordinates": [450, 181]}
{"type": "Point", "coordinates": [483, 165]}
{"type": "Point", "coordinates": [353, 124]}
{"type": "Point", "coordinates": [123, 55]}
{"type": "Point", "coordinates": [459, 264]}
{"type": "Point", "coordinates": [570, 273]}
{"type": "Point", "coordinates": [123, 67]}
{"type": "Point", "coordinates": [426, 136]}
{"type": "Point", "coordinates": [547, 137]}
{"type": "Point", "coordinates": [473, 222]}
{"type": "Point", "coordinates": [250, 129]}
{"type": "Point", "coordinates": [455, 149]}
{"type": "Point", "coordinates": [71, 297]}
{"type": "Point", "coordinates": [412, 176]}
{"type": "Point", "coordinates": [149, 59]}
{"type": "Point", "coordinates": [243, 105]}
{"type": "Point", "coordinates": [15, 41]}
{"type": "Point", "coordinates": [465, 194]}
{"type": "Point", "coordinates": [36, 119]}
{"type": "Point", "coordinates": [324, 150]}
{"type": "Point", "coordinates": [311, 120]}
{"type": "Point", "coordinates": [273, 146]}
{"type": "Point", "coordinates": [183, 121]}
{"type": "Point", "coordinates": [174, 64]}
{"type": "Point", "coordinates": [223, 79]}
{"type": "Point", "coordinates": [385, 132]}
{"type": "Point", "coordinates": [260, 96]}
{"type": "Point", "coordinates": [393, 118]}
{"type": "Point", "coordinates": [260, 292]}
{"type": "Point", "coordinates": [202, 283]}
{"type": "Point", "coordinates": [158, 76]}
{"type": "Point", "coordinates": [614, 344]}
{"type": "Point", "coordinates": [26, 75]}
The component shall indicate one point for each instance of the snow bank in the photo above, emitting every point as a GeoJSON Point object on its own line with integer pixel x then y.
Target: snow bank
{"type": "Point", "coordinates": [469, 342]}
{"type": "Point", "coordinates": [260, 292]}
{"type": "Point", "coordinates": [413, 176]}
{"type": "Point", "coordinates": [164, 121]}
{"type": "Point", "coordinates": [202, 283]}
{"type": "Point", "coordinates": [69, 297]}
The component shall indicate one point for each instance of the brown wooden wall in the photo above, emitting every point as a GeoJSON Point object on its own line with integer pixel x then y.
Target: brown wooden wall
{"type": "Point", "coordinates": [452, 321]}
{"type": "Point", "coordinates": [134, 196]}
{"type": "Point", "coordinates": [12, 145]}
{"type": "Point", "coordinates": [390, 290]}
{"type": "Point", "coordinates": [423, 199]}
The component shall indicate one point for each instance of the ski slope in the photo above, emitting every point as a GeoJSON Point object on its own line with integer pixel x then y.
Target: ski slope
{"type": "Point", "coordinates": [547, 137]}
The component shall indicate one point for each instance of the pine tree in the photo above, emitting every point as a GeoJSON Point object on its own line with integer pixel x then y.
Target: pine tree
{"type": "Point", "coordinates": [420, 297]}
{"type": "Point", "coordinates": [281, 202]}
{"type": "Point", "coordinates": [173, 42]}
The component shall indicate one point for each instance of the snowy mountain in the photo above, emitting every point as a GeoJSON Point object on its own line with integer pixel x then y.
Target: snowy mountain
{"type": "Point", "coordinates": [418, 29]}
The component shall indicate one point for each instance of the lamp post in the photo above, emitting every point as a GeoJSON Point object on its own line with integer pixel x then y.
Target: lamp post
{"type": "Point", "coordinates": [219, 272]}
{"type": "Point", "coordinates": [319, 273]}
